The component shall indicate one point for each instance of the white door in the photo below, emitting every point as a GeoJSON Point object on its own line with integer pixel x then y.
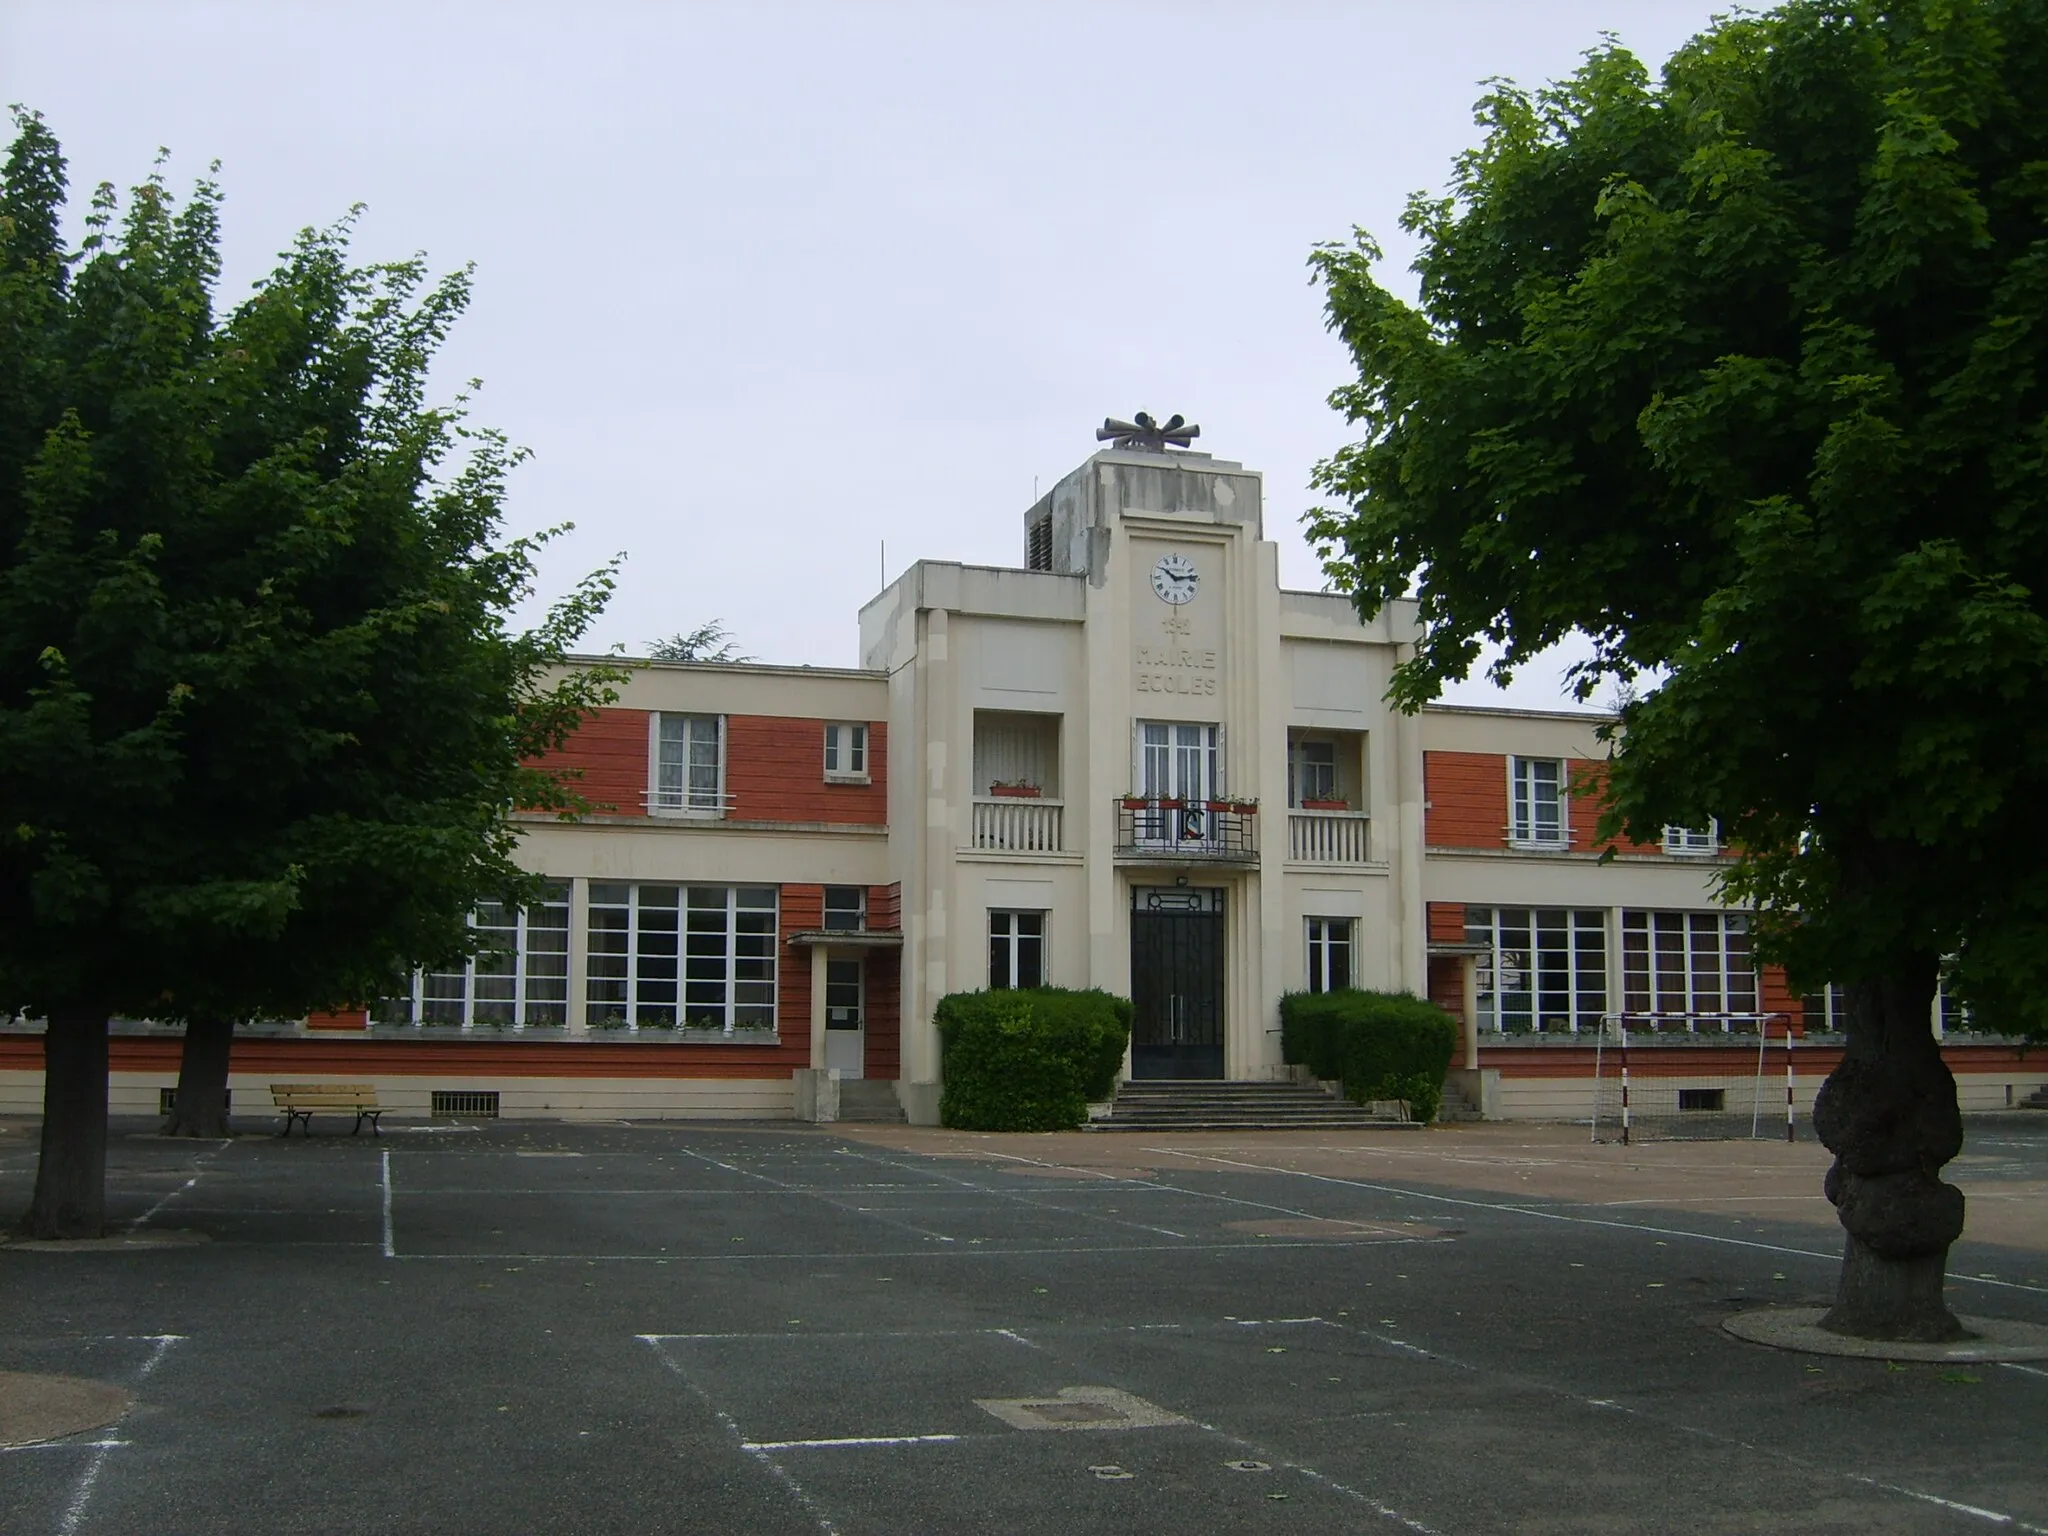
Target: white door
{"type": "Point", "coordinates": [845, 1018]}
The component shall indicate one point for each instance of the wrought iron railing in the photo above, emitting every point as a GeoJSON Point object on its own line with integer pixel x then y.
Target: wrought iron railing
{"type": "Point", "coordinates": [1163, 826]}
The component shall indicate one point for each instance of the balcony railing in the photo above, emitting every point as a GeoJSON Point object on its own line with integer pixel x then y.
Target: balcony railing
{"type": "Point", "coordinates": [1019, 826]}
{"type": "Point", "coordinates": [1164, 827]}
{"type": "Point", "coordinates": [1329, 837]}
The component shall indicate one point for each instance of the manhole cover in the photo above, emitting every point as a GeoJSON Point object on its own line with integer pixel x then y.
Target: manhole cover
{"type": "Point", "coordinates": [1079, 1408]}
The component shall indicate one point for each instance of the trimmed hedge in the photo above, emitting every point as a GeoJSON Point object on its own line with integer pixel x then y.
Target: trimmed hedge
{"type": "Point", "coordinates": [1028, 1060]}
{"type": "Point", "coordinates": [1380, 1045]}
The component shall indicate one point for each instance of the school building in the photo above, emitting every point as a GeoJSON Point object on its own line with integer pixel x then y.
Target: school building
{"type": "Point", "coordinates": [1132, 761]}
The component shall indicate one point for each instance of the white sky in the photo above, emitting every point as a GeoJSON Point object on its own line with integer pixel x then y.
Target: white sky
{"type": "Point", "coordinates": [765, 286]}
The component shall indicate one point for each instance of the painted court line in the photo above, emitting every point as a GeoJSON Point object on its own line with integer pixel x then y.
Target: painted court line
{"type": "Point", "coordinates": [390, 1243]}
{"type": "Point", "coordinates": [81, 1496]}
{"type": "Point", "coordinates": [1547, 1214]}
{"type": "Point", "coordinates": [1041, 1203]}
{"type": "Point", "coordinates": [853, 1442]}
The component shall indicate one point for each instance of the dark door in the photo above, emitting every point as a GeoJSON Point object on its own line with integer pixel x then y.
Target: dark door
{"type": "Point", "coordinates": [1177, 983]}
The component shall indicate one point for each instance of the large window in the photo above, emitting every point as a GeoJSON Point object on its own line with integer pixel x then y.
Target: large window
{"type": "Point", "coordinates": [519, 975]}
{"type": "Point", "coordinates": [1311, 770]}
{"type": "Point", "coordinates": [1016, 949]}
{"type": "Point", "coordinates": [1180, 762]}
{"type": "Point", "coordinates": [1329, 953]}
{"type": "Point", "coordinates": [689, 764]}
{"type": "Point", "coordinates": [1536, 804]}
{"type": "Point", "coordinates": [694, 956]}
{"type": "Point", "coordinates": [1545, 968]}
{"type": "Point", "coordinates": [1684, 963]}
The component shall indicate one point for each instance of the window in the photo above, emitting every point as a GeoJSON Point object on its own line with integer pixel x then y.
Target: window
{"type": "Point", "coordinates": [1545, 968]}
{"type": "Point", "coordinates": [695, 956]}
{"type": "Point", "coordinates": [1536, 801]}
{"type": "Point", "coordinates": [846, 908]}
{"type": "Point", "coordinates": [689, 764]}
{"type": "Point", "coordinates": [1179, 761]}
{"type": "Point", "coordinates": [1825, 1012]}
{"type": "Point", "coordinates": [1016, 950]}
{"type": "Point", "coordinates": [519, 977]}
{"type": "Point", "coordinates": [1311, 771]}
{"type": "Point", "coordinates": [843, 993]}
{"type": "Point", "coordinates": [846, 751]}
{"type": "Point", "coordinates": [1329, 953]}
{"type": "Point", "coordinates": [1693, 840]}
{"type": "Point", "coordinates": [1687, 963]}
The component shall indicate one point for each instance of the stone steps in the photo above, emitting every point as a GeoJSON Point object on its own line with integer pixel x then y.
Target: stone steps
{"type": "Point", "coordinates": [869, 1100]}
{"type": "Point", "coordinates": [1222, 1106]}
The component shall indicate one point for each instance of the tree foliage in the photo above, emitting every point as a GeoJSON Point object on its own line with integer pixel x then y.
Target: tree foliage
{"type": "Point", "coordinates": [1739, 372]}
{"type": "Point", "coordinates": [262, 711]}
{"type": "Point", "coordinates": [709, 641]}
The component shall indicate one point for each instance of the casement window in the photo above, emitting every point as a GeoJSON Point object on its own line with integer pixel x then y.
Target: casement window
{"type": "Point", "coordinates": [1688, 963]}
{"type": "Point", "coordinates": [698, 957]}
{"type": "Point", "coordinates": [846, 908]}
{"type": "Point", "coordinates": [1311, 771]}
{"type": "Point", "coordinates": [1825, 1012]}
{"type": "Point", "coordinates": [846, 750]}
{"type": "Point", "coordinates": [1693, 840]}
{"type": "Point", "coordinates": [1016, 949]}
{"type": "Point", "coordinates": [1179, 762]}
{"type": "Point", "coordinates": [689, 765]}
{"type": "Point", "coordinates": [519, 977]}
{"type": "Point", "coordinates": [1544, 969]}
{"type": "Point", "coordinates": [1536, 803]}
{"type": "Point", "coordinates": [1329, 953]}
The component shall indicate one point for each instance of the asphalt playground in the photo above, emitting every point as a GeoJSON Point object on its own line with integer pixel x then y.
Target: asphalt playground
{"type": "Point", "coordinates": [685, 1327]}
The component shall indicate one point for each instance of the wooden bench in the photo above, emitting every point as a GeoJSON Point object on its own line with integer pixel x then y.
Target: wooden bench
{"type": "Point", "coordinates": [297, 1101]}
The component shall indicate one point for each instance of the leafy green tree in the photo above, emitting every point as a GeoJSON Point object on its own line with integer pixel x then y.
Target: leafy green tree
{"type": "Point", "coordinates": [709, 641]}
{"type": "Point", "coordinates": [1741, 374]}
{"type": "Point", "coordinates": [261, 710]}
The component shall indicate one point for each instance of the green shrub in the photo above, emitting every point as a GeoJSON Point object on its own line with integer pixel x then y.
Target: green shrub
{"type": "Point", "coordinates": [1028, 1060]}
{"type": "Point", "coordinates": [1380, 1045]}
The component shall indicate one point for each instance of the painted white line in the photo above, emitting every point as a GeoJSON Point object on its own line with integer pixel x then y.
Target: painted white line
{"type": "Point", "coordinates": [852, 1441]}
{"type": "Point", "coordinates": [390, 1248]}
{"type": "Point", "coordinates": [843, 1256]}
{"type": "Point", "coordinates": [2024, 1370]}
{"type": "Point", "coordinates": [66, 1445]}
{"type": "Point", "coordinates": [74, 1512]}
{"type": "Point", "coordinates": [1994, 1516]}
{"type": "Point", "coordinates": [1554, 1215]}
{"type": "Point", "coordinates": [775, 1468]}
{"type": "Point", "coordinates": [143, 1220]}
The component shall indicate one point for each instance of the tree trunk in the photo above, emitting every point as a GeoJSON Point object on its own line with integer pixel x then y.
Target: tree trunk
{"type": "Point", "coordinates": [71, 1176]}
{"type": "Point", "coordinates": [201, 1106]}
{"type": "Point", "coordinates": [1889, 1115]}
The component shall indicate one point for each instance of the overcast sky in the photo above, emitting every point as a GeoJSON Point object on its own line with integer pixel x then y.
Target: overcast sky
{"type": "Point", "coordinates": [766, 287]}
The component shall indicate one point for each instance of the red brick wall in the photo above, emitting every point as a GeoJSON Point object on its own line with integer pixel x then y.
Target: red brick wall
{"type": "Point", "coordinates": [1467, 799]}
{"type": "Point", "coordinates": [1447, 922]}
{"type": "Point", "coordinates": [885, 1007]}
{"type": "Point", "coordinates": [1588, 782]}
{"type": "Point", "coordinates": [775, 771]}
{"type": "Point", "coordinates": [610, 755]}
{"type": "Point", "coordinates": [885, 906]}
{"type": "Point", "coordinates": [1775, 995]}
{"type": "Point", "coordinates": [803, 911]}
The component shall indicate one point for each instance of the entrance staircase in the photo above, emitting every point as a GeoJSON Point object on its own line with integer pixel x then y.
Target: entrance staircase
{"type": "Point", "coordinates": [1200, 1105]}
{"type": "Point", "coordinates": [871, 1100]}
{"type": "Point", "coordinates": [1457, 1106]}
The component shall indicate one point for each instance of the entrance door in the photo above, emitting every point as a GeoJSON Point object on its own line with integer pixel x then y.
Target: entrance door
{"type": "Point", "coordinates": [1177, 982]}
{"type": "Point", "coordinates": [845, 1018]}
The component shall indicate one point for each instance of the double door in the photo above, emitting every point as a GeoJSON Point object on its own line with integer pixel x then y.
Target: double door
{"type": "Point", "coordinates": [1177, 983]}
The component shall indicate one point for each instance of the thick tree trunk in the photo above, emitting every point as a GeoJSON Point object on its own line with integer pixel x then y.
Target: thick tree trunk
{"type": "Point", "coordinates": [201, 1106]}
{"type": "Point", "coordinates": [71, 1177]}
{"type": "Point", "coordinates": [1889, 1115]}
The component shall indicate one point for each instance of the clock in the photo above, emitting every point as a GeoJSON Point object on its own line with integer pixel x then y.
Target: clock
{"type": "Point", "coordinates": [1173, 579]}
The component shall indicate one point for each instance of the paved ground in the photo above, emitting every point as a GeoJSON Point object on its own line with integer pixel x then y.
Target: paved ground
{"type": "Point", "coordinates": [537, 1327]}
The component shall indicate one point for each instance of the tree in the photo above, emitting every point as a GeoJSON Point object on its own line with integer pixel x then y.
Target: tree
{"type": "Point", "coordinates": [1740, 373]}
{"type": "Point", "coordinates": [261, 712]}
{"type": "Point", "coordinates": [709, 641]}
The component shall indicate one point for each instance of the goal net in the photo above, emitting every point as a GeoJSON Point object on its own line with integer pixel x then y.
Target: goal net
{"type": "Point", "coordinates": [1694, 1077]}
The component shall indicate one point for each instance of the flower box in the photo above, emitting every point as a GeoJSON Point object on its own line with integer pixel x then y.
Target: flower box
{"type": "Point", "coordinates": [1015, 791]}
{"type": "Point", "coordinates": [1326, 805]}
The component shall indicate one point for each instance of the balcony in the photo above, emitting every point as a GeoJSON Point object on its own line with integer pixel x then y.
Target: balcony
{"type": "Point", "coordinates": [1018, 826]}
{"type": "Point", "coordinates": [1329, 837]}
{"type": "Point", "coordinates": [1178, 831]}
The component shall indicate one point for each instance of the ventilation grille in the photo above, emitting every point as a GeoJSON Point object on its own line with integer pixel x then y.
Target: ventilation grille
{"type": "Point", "coordinates": [167, 1100]}
{"type": "Point", "coordinates": [1712, 1101]}
{"type": "Point", "coordinates": [1038, 545]}
{"type": "Point", "coordinates": [463, 1101]}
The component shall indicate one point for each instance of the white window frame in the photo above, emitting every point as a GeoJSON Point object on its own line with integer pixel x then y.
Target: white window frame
{"type": "Point", "coordinates": [642, 962]}
{"type": "Point", "coordinates": [860, 990]}
{"type": "Point", "coordinates": [534, 988]}
{"type": "Point", "coordinates": [1526, 800]}
{"type": "Point", "coordinates": [860, 911]}
{"type": "Point", "coordinates": [1003, 926]}
{"type": "Point", "coordinates": [675, 794]}
{"type": "Point", "coordinates": [1301, 767]}
{"type": "Point", "coordinates": [1327, 937]}
{"type": "Point", "coordinates": [1580, 965]}
{"type": "Point", "coordinates": [846, 752]}
{"type": "Point", "coordinates": [1700, 941]}
{"type": "Point", "coordinates": [1693, 842]}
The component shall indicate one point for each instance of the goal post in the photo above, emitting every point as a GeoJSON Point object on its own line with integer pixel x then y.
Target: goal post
{"type": "Point", "coordinates": [1695, 1077]}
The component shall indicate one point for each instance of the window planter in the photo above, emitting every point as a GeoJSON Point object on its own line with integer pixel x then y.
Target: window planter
{"type": "Point", "coordinates": [1326, 805]}
{"type": "Point", "coordinates": [1015, 791]}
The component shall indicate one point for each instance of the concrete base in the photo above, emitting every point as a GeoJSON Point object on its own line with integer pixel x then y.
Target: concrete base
{"type": "Point", "coordinates": [1997, 1339]}
{"type": "Point", "coordinates": [817, 1094]}
{"type": "Point", "coordinates": [920, 1101]}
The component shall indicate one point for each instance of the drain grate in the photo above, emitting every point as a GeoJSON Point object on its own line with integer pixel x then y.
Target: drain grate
{"type": "Point", "coordinates": [465, 1102]}
{"type": "Point", "coordinates": [167, 1100]}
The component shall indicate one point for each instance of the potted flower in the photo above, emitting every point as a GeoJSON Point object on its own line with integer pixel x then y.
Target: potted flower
{"type": "Point", "coordinates": [1325, 804]}
{"type": "Point", "coordinates": [1014, 789]}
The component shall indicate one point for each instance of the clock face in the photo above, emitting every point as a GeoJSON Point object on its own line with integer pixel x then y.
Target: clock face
{"type": "Point", "coordinates": [1173, 579]}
